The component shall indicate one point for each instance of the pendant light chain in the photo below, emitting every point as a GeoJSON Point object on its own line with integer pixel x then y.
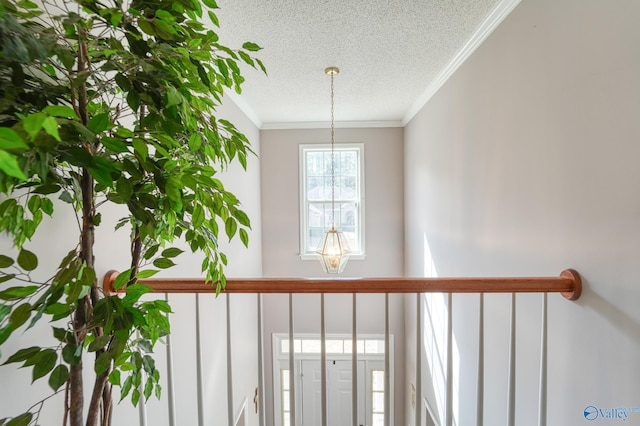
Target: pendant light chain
{"type": "Point", "coordinates": [333, 162]}
{"type": "Point", "coordinates": [334, 250]}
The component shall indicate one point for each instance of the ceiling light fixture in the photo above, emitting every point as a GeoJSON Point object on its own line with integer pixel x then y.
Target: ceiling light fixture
{"type": "Point", "coordinates": [334, 250]}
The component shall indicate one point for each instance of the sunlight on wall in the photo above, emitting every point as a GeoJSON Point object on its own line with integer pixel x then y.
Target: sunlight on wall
{"type": "Point", "coordinates": [435, 308]}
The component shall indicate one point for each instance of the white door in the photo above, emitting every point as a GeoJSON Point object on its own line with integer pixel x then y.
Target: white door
{"type": "Point", "coordinates": [339, 399]}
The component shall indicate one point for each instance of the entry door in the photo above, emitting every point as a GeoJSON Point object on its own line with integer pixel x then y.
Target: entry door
{"type": "Point", "coordinates": [338, 393]}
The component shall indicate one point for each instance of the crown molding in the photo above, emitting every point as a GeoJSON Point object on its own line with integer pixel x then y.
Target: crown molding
{"type": "Point", "coordinates": [327, 125]}
{"type": "Point", "coordinates": [245, 108]}
{"type": "Point", "coordinates": [495, 18]}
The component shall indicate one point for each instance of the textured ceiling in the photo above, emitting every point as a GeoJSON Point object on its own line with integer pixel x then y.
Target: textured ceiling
{"type": "Point", "coordinates": [389, 53]}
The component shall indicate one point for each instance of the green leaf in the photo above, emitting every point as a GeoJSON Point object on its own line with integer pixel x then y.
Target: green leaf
{"type": "Point", "coordinates": [126, 387]}
{"type": "Point", "coordinates": [5, 332]}
{"type": "Point", "coordinates": [213, 17]}
{"type": "Point", "coordinates": [102, 175]}
{"type": "Point", "coordinates": [122, 279]}
{"type": "Point", "coordinates": [22, 355]}
{"type": "Point", "coordinates": [146, 273]}
{"type": "Point", "coordinates": [244, 237]}
{"type": "Point", "coordinates": [5, 261]}
{"type": "Point", "coordinates": [135, 397]}
{"type": "Point", "coordinates": [123, 82]}
{"type": "Point", "coordinates": [115, 145]}
{"type": "Point", "coordinates": [242, 218]}
{"type": "Point", "coordinates": [58, 377]}
{"type": "Point", "coordinates": [140, 147]}
{"type": "Point", "coordinates": [47, 206]}
{"type": "Point", "coordinates": [34, 204]}
{"type": "Point", "coordinates": [9, 139]}
{"type": "Point", "coordinates": [173, 96]}
{"type": "Point", "coordinates": [99, 342]}
{"type": "Point", "coordinates": [163, 263]}
{"type": "Point", "coordinates": [134, 292]}
{"type": "Point", "coordinates": [252, 47]}
{"type": "Point", "coordinates": [7, 277]}
{"type": "Point", "coordinates": [21, 420]}
{"type": "Point", "coordinates": [4, 311]}
{"type": "Point", "coordinates": [50, 126]}
{"type": "Point", "coordinates": [46, 361]}
{"type": "Point", "coordinates": [61, 111]}
{"type": "Point", "coordinates": [13, 293]}
{"type": "Point", "coordinates": [114, 377]}
{"type": "Point", "coordinates": [99, 123]}
{"type": "Point", "coordinates": [148, 388]}
{"type": "Point", "coordinates": [195, 142]}
{"type": "Point", "coordinates": [197, 218]}
{"type": "Point", "coordinates": [230, 227]}
{"type": "Point", "coordinates": [20, 315]}
{"type": "Point", "coordinates": [172, 252]}
{"type": "Point", "coordinates": [71, 354]}
{"type": "Point", "coordinates": [27, 260]}
{"type": "Point", "coordinates": [9, 165]}
{"type": "Point", "coordinates": [32, 124]}
{"type": "Point", "coordinates": [103, 362]}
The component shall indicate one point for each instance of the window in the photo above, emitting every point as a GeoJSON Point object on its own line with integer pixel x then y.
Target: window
{"type": "Point", "coordinates": [286, 408]}
{"type": "Point", "coordinates": [377, 397]}
{"type": "Point", "coordinates": [315, 195]}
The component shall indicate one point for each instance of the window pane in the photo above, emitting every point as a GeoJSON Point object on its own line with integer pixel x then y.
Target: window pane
{"type": "Point", "coordinates": [334, 346]}
{"type": "Point", "coordinates": [285, 401]}
{"type": "Point", "coordinates": [311, 346]}
{"type": "Point", "coordinates": [285, 379]}
{"type": "Point", "coordinates": [317, 194]}
{"type": "Point", "coordinates": [286, 419]}
{"type": "Point", "coordinates": [378, 402]}
{"type": "Point", "coordinates": [315, 189]}
{"type": "Point", "coordinates": [377, 380]}
{"type": "Point", "coordinates": [374, 346]}
{"type": "Point", "coordinates": [378, 420]}
{"type": "Point", "coordinates": [315, 163]}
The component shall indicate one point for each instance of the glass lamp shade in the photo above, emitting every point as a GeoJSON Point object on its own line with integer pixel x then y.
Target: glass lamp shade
{"type": "Point", "coordinates": [334, 252]}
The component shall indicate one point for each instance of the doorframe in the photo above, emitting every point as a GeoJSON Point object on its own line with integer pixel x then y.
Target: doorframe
{"type": "Point", "coordinates": [281, 361]}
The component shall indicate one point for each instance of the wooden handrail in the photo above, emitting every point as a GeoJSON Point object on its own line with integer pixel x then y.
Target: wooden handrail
{"type": "Point", "coordinates": [568, 284]}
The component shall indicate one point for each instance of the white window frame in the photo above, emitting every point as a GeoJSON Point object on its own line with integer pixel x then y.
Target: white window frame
{"type": "Point", "coordinates": [311, 255]}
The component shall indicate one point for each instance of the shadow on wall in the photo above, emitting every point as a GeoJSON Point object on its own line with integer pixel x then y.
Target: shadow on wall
{"type": "Point", "coordinates": [616, 317]}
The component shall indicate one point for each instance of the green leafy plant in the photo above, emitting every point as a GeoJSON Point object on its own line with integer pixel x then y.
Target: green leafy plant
{"type": "Point", "coordinates": [111, 102]}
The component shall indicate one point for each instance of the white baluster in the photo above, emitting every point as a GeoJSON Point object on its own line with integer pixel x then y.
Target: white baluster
{"type": "Point", "coordinates": [199, 390]}
{"type": "Point", "coordinates": [260, 400]}
{"type": "Point", "coordinates": [230, 404]}
{"type": "Point", "coordinates": [292, 393]}
{"type": "Point", "coordinates": [170, 386]}
{"type": "Point", "coordinates": [417, 398]}
{"type": "Point", "coordinates": [323, 363]}
{"type": "Point", "coordinates": [480, 384]}
{"type": "Point", "coordinates": [354, 363]}
{"type": "Point", "coordinates": [387, 364]}
{"type": "Point", "coordinates": [511, 388]}
{"type": "Point", "coordinates": [542, 416]}
{"type": "Point", "coordinates": [449, 403]}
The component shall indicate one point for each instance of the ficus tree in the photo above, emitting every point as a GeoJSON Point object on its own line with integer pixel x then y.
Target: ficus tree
{"type": "Point", "coordinates": [110, 102]}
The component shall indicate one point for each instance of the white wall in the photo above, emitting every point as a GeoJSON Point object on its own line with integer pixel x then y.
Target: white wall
{"type": "Point", "coordinates": [526, 163]}
{"type": "Point", "coordinates": [59, 236]}
{"type": "Point", "coordinates": [383, 201]}
{"type": "Point", "coordinates": [383, 239]}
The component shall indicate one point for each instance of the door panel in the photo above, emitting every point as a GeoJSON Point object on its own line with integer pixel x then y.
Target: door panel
{"type": "Point", "coordinates": [339, 399]}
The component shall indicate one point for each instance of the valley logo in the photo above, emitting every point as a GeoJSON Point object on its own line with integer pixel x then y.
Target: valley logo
{"type": "Point", "coordinates": [592, 413]}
